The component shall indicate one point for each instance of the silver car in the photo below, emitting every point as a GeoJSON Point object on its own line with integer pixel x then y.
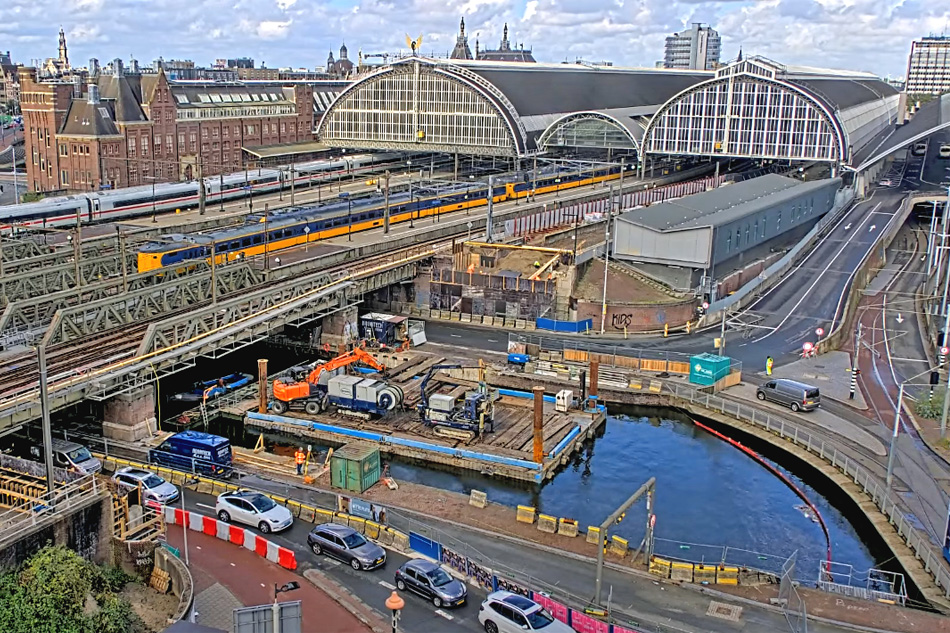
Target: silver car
{"type": "Point", "coordinates": [346, 544]}
{"type": "Point", "coordinates": [253, 508]}
{"type": "Point", "coordinates": [154, 488]}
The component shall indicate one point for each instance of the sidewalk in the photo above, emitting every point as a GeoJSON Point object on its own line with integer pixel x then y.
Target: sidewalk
{"type": "Point", "coordinates": [228, 577]}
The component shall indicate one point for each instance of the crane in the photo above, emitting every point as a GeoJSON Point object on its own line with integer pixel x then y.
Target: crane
{"type": "Point", "coordinates": [309, 391]}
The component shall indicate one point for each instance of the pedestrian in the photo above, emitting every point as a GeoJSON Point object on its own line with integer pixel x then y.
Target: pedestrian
{"type": "Point", "coordinates": [299, 458]}
{"type": "Point", "coordinates": [768, 365]}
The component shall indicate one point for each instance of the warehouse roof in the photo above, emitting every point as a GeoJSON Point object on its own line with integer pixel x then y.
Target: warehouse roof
{"type": "Point", "coordinates": [720, 206]}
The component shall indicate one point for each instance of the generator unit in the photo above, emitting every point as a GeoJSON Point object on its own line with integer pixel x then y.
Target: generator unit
{"type": "Point", "coordinates": [363, 397]}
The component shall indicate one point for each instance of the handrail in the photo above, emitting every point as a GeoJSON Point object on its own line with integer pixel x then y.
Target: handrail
{"type": "Point", "coordinates": [31, 512]}
{"type": "Point", "coordinates": [829, 452]}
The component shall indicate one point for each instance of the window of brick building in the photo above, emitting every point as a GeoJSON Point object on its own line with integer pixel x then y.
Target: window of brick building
{"type": "Point", "coordinates": [214, 132]}
{"type": "Point", "coordinates": [64, 178]}
{"type": "Point", "coordinates": [64, 150]}
{"type": "Point", "coordinates": [131, 146]}
{"type": "Point", "coordinates": [226, 131]}
{"type": "Point", "coordinates": [181, 140]}
{"type": "Point", "coordinates": [145, 145]}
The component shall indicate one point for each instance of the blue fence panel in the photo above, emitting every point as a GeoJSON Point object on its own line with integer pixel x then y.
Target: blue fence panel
{"type": "Point", "coordinates": [564, 326]}
{"type": "Point", "coordinates": [425, 546]}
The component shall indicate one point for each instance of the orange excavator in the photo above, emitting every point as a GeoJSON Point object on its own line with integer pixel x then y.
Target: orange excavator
{"type": "Point", "coordinates": [297, 390]}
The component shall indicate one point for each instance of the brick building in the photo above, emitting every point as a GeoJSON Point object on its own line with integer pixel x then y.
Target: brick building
{"type": "Point", "coordinates": [132, 129]}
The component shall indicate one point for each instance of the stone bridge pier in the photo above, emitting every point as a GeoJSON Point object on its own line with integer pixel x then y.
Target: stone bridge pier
{"type": "Point", "coordinates": [130, 416]}
{"type": "Point", "coordinates": [341, 328]}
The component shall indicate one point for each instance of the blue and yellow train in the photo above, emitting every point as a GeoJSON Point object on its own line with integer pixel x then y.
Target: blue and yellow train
{"type": "Point", "coordinates": [293, 227]}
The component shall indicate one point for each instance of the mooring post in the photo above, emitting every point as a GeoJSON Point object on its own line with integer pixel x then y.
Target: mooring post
{"type": "Point", "coordinates": [594, 367]}
{"type": "Point", "coordinates": [538, 425]}
{"type": "Point", "coordinates": [262, 385]}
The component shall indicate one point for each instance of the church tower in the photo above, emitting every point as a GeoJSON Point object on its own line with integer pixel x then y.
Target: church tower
{"type": "Point", "coordinates": [63, 54]}
{"type": "Point", "coordinates": [461, 50]}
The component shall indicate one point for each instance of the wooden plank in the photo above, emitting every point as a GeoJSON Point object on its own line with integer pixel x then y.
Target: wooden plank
{"type": "Point", "coordinates": [527, 438]}
{"type": "Point", "coordinates": [418, 369]}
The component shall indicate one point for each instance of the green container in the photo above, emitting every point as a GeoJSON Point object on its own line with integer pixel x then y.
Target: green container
{"type": "Point", "coordinates": [354, 467]}
{"type": "Point", "coordinates": [708, 369]}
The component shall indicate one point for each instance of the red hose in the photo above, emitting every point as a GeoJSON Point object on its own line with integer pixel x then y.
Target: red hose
{"type": "Point", "coordinates": [788, 482]}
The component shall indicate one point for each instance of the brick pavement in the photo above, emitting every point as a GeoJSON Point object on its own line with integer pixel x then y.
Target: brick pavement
{"type": "Point", "coordinates": [227, 576]}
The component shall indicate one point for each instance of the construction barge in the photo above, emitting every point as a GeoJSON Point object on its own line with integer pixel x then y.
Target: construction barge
{"type": "Point", "coordinates": [525, 441]}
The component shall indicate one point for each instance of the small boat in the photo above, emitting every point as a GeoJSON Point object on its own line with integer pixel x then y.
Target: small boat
{"type": "Point", "coordinates": [212, 389]}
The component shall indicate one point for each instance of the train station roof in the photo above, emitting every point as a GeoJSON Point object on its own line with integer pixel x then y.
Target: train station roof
{"type": "Point", "coordinates": [421, 104]}
{"type": "Point", "coordinates": [932, 116]}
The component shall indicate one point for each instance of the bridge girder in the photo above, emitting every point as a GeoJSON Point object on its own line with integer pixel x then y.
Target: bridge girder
{"type": "Point", "coordinates": [52, 279]}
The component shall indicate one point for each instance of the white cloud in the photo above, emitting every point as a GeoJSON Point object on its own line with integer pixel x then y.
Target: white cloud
{"type": "Point", "coordinates": [859, 34]}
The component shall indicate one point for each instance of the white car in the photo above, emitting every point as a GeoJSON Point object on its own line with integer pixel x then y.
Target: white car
{"type": "Point", "coordinates": [506, 612]}
{"type": "Point", "coordinates": [253, 508]}
{"type": "Point", "coordinates": [886, 183]}
{"type": "Point", "coordinates": [154, 488]}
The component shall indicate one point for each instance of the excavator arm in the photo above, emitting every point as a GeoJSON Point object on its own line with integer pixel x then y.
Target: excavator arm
{"type": "Point", "coordinates": [286, 391]}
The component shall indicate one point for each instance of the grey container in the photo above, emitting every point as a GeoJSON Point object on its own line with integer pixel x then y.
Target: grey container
{"type": "Point", "coordinates": [441, 402]}
{"type": "Point", "coordinates": [343, 386]}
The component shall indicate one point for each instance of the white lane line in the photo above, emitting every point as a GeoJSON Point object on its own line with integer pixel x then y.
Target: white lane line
{"type": "Point", "coordinates": [204, 505]}
{"type": "Point", "coordinates": [455, 335]}
{"type": "Point", "coordinates": [387, 585]}
{"type": "Point", "coordinates": [792, 272]}
{"type": "Point", "coordinates": [444, 614]}
{"type": "Point", "coordinates": [818, 278]}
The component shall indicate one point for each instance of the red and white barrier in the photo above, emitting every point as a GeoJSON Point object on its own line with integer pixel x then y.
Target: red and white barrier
{"type": "Point", "coordinates": [242, 537]}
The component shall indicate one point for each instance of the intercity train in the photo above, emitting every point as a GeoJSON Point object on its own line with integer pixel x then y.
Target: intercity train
{"type": "Point", "coordinates": [132, 201]}
{"type": "Point", "coordinates": [291, 227]}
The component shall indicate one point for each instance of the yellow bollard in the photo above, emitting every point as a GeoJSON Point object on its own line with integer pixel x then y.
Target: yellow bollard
{"type": "Point", "coordinates": [666, 330]}
{"type": "Point", "coordinates": [687, 327]}
{"type": "Point", "coordinates": [625, 332]}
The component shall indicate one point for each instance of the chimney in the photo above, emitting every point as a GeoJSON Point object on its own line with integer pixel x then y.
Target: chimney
{"type": "Point", "coordinates": [93, 94]}
{"type": "Point", "coordinates": [93, 67]}
{"type": "Point", "coordinates": [77, 87]}
{"type": "Point", "coordinates": [117, 67]}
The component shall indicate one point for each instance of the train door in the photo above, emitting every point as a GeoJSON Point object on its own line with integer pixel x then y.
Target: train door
{"type": "Point", "coordinates": [92, 208]}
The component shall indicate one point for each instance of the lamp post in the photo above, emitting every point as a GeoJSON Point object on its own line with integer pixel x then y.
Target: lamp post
{"type": "Point", "coordinates": [892, 451]}
{"type": "Point", "coordinates": [395, 604]}
{"type": "Point", "coordinates": [293, 585]}
{"type": "Point", "coordinates": [557, 187]}
{"type": "Point", "coordinates": [306, 243]}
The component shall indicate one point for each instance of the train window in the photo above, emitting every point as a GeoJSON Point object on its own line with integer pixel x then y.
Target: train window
{"type": "Point", "coordinates": [258, 239]}
{"type": "Point", "coordinates": [221, 248]}
{"type": "Point", "coordinates": [246, 242]}
{"type": "Point", "coordinates": [234, 246]}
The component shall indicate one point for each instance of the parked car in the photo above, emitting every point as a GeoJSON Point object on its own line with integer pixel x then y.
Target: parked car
{"type": "Point", "coordinates": [253, 508]}
{"type": "Point", "coordinates": [154, 488]}
{"type": "Point", "coordinates": [430, 581]}
{"type": "Point", "coordinates": [506, 612]}
{"type": "Point", "coordinates": [68, 455]}
{"type": "Point", "coordinates": [346, 544]}
{"type": "Point", "coordinates": [796, 395]}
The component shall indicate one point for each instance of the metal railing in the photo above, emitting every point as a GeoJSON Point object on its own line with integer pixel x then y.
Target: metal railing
{"type": "Point", "coordinates": [933, 562]}
{"type": "Point", "coordinates": [32, 512]}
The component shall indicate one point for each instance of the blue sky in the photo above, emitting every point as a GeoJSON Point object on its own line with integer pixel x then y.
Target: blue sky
{"type": "Point", "coordinates": [869, 35]}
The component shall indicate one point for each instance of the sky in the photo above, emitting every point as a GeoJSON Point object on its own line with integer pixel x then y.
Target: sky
{"type": "Point", "coordinates": [871, 35]}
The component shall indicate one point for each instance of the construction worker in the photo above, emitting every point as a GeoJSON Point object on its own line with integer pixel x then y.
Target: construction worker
{"type": "Point", "coordinates": [768, 365]}
{"type": "Point", "coordinates": [299, 458]}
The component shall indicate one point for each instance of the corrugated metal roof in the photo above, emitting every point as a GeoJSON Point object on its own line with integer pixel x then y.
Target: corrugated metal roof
{"type": "Point", "coordinates": [722, 205]}
{"type": "Point", "coordinates": [845, 92]}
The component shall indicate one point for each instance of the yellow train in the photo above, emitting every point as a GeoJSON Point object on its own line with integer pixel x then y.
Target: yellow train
{"type": "Point", "coordinates": [293, 227]}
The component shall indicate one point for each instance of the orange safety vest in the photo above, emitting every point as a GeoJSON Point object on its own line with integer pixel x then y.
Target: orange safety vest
{"type": "Point", "coordinates": [300, 457]}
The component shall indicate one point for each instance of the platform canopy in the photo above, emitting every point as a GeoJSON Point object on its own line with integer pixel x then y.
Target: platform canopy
{"type": "Point", "coordinates": [498, 108]}
{"type": "Point", "coordinates": [757, 108]}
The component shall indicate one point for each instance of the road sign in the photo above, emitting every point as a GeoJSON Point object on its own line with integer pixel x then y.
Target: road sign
{"type": "Point", "coordinates": [944, 351]}
{"type": "Point", "coordinates": [705, 305]}
{"type": "Point", "coordinates": [807, 346]}
{"type": "Point", "coordinates": [820, 331]}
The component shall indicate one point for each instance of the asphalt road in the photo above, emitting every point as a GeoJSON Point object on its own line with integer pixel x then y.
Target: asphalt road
{"type": "Point", "coordinates": [6, 181]}
{"type": "Point", "coordinates": [936, 172]}
{"type": "Point", "coordinates": [640, 600]}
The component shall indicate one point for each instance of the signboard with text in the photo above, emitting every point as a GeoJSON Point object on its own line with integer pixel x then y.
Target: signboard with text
{"type": "Point", "coordinates": [558, 610]}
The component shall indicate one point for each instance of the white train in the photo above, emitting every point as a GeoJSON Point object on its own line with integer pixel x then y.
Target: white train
{"type": "Point", "coordinates": [123, 203]}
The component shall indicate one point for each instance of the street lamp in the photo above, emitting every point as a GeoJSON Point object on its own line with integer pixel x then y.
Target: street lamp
{"type": "Point", "coordinates": [293, 585]}
{"type": "Point", "coordinates": [306, 243]}
{"type": "Point", "coordinates": [557, 186]}
{"type": "Point", "coordinates": [395, 604]}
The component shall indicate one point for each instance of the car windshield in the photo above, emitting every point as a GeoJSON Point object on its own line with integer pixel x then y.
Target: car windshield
{"type": "Point", "coordinates": [354, 540]}
{"type": "Point", "coordinates": [153, 481]}
{"type": "Point", "coordinates": [439, 577]}
{"type": "Point", "coordinates": [262, 503]}
{"type": "Point", "coordinates": [78, 455]}
{"type": "Point", "coordinates": [539, 619]}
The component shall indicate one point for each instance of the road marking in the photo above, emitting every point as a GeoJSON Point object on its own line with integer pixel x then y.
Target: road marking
{"type": "Point", "coordinates": [444, 614]}
{"type": "Point", "coordinates": [387, 585]}
{"type": "Point", "coordinates": [204, 505]}
{"type": "Point", "coordinates": [818, 278]}
{"type": "Point", "coordinates": [455, 335]}
{"type": "Point", "coordinates": [492, 340]}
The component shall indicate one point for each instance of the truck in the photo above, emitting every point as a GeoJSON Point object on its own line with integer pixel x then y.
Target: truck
{"type": "Point", "coordinates": [307, 387]}
{"type": "Point", "coordinates": [363, 397]}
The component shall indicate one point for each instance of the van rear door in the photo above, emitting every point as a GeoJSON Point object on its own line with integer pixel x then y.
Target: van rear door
{"type": "Point", "coordinates": [812, 396]}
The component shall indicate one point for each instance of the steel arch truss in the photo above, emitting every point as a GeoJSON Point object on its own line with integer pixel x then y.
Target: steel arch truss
{"type": "Point", "coordinates": [417, 105]}
{"type": "Point", "coordinates": [746, 116]}
{"type": "Point", "coordinates": [588, 129]}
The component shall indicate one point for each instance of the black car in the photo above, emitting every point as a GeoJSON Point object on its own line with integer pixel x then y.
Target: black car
{"type": "Point", "coordinates": [431, 582]}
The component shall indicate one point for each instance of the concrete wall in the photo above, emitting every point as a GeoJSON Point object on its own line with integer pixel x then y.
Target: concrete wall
{"type": "Point", "coordinates": [744, 275]}
{"type": "Point", "coordinates": [130, 417]}
{"type": "Point", "coordinates": [491, 295]}
{"type": "Point", "coordinates": [87, 530]}
{"type": "Point", "coordinates": [690, 247]}
{"type": "Point", "coordinates": [637, 318]}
